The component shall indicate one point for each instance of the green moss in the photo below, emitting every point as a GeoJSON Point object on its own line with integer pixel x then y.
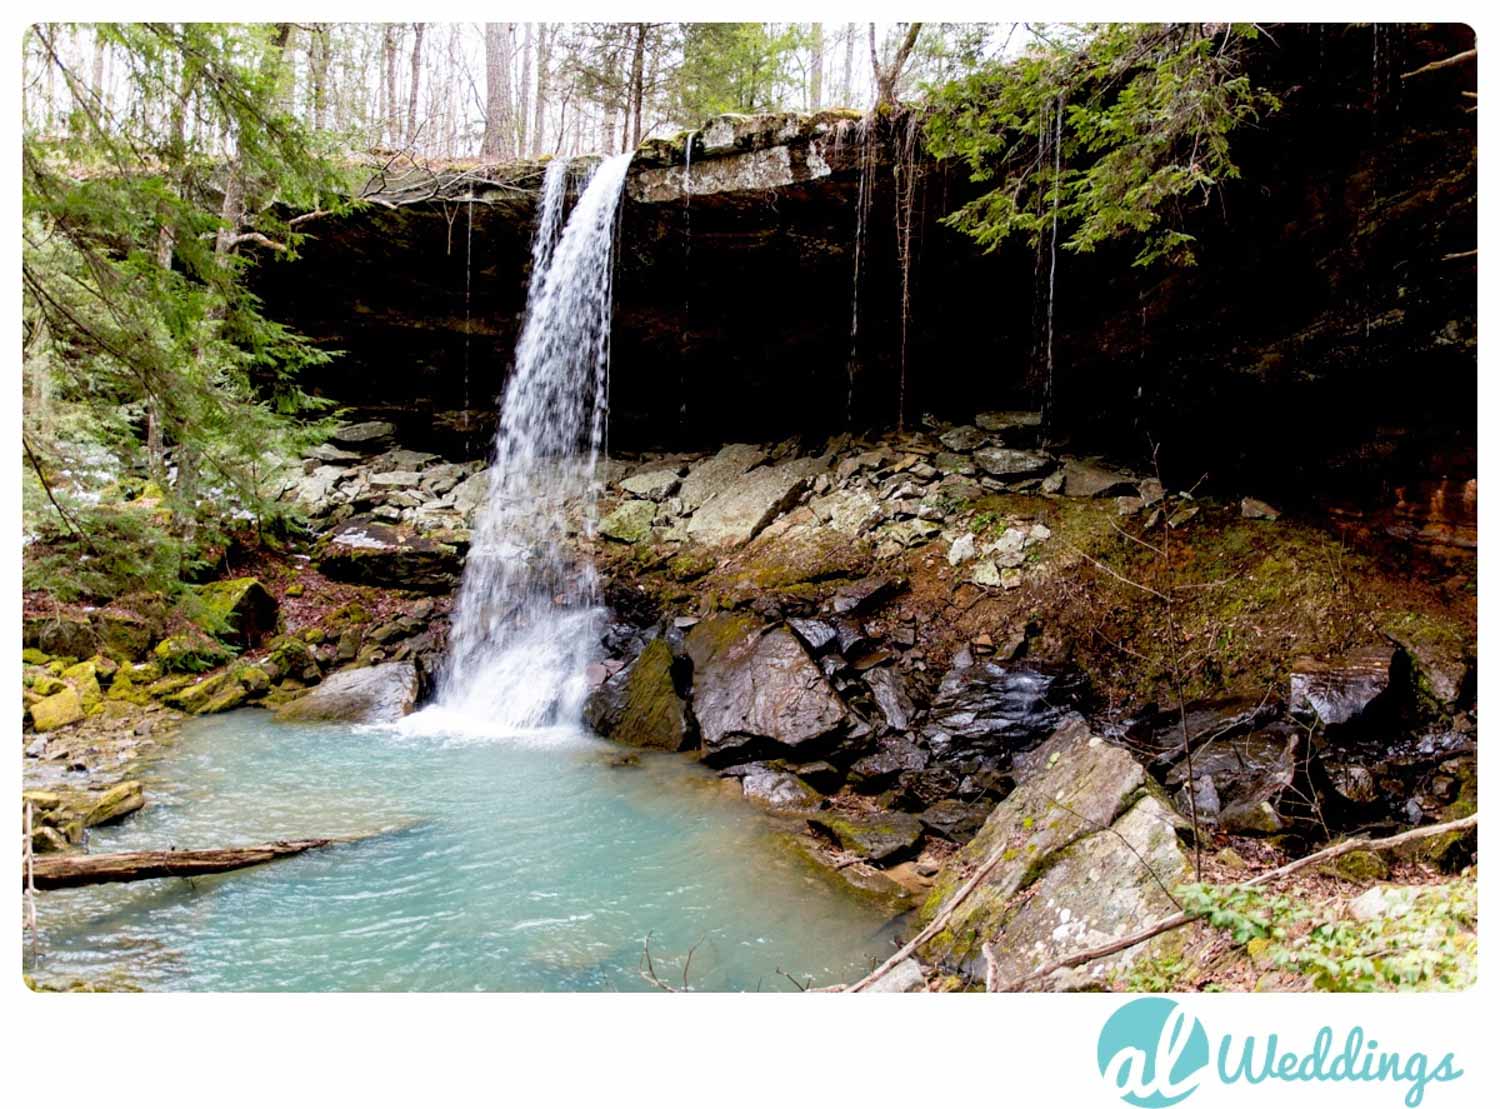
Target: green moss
{"type": "Point", "coordinates": [691, 565]}
{"type": "Point", "coordinates": [32, 656]}
{"type": "Point", "coordinates": [1361, 866]}
{"type": "Point", "coordinates": [191, 653]}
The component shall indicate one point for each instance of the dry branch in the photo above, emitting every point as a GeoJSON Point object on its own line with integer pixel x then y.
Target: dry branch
{"type": "Point", "coordinates": [1443, 63]}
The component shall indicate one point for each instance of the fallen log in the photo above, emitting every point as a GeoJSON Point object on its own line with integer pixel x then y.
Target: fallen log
{"type": "Point", "coordinates": [56, 872]}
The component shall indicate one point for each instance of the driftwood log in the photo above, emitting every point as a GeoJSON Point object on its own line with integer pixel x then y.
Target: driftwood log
{"type": "Point", "coordinates": [56, 872]}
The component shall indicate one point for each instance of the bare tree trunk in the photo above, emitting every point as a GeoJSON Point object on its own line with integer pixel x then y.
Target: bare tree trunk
{"type": "Point", "coordinates": [848, 65]}
{"type": "Point", "coordinates": [391, 128]}
{"type": "Point", "coordinates": [318, 62]}
{"type": "Point", "coordinates": [887, 76]}
{"type": "Point", "coordinates": [815, 89]}
{"type": "Point", "coordinates": [418, 29]}
{"type": "Point", "coordinates": [637, 83]}
{"type": "Point", "coordinates": [499, 127]}
{"type": "Point", "coordinates": [523, 93]}
{"type": "Point", "coordinates": [98, 79]}
{"type": "Point", "coordinates": [538, 129]}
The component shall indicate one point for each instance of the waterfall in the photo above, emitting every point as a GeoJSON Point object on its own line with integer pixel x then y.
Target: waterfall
{"type": "Point", "coordinates": [527, 616]}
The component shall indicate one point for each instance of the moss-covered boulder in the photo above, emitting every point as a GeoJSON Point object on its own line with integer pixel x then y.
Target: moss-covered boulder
{"type": "Point", "coordinates": [241, 605]}
{"type": "Point", "coordinates": [1083, 851]}
{"type": "Point", "coordinates": [45, 685]}
{"type": "Point", "coordinates": [83, 677]}
{"type": "Point", "coordinates": [641, 705]}
{"type": "Point", "coordinates": [35, 656]}
{"type": "Point", "coordinates": [56, 711]}
{"type": "Point", "coordinates": [377, 554]}
{"type": "Point", "coordinates": [190, 652]}
{"type": "Point", "coordinates": [878, 837]}
{"type": "Point", "coordinates": [70, 634]}
{"type": "Point", "coordinates": [221, 692]}
{"type": "Point", "coordinates": [291, 657]}
{"type": "Point", "coordinates": [629, 523]}
{"type": "Point", "coordinates": [123, 635]}
{"type": "Point", "coordinates": [115, 803]}
{"type": "Point", "coordinates": [129, 687]}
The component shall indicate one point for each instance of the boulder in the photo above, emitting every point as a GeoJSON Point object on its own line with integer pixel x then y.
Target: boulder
{"type": "Point", "coordinates": [1014, 429]}
{"type": "Point", "coordinates": [715, 475]}
{"type": "Point", "coordinates": [740, 511]}
{"type": "Point", "coordinates": [756, 687]}
{"type": "Point", "coordinates": [372, 695]}
{"type": "Point", "coordinates": [1087, 478]}
{"type": "Point", "coordinates": [123, 635]}
{"type": "Point", "coordinates": [653, 485]}
{"type": "Point", "coordinates": [1253, 509]}
{"type": "Point", "coordinates": [878, 837]}
{"type": "Point", "coordinates": [963, 439]}
{"type": "Point", "coordinates": [629, 523]}
{"type": "Point", "coordinates": [850, 512]}
{"type": "Point", "coordinates": [778, 789]}
{"type": "Point", "coordinates": [83, 677]}
{"type": "Point", "coordinates": [953, 819]}
{"type": "Point", "coordinates": [893, 755]}
{"type": "Point", "coordinates": [245, 606]}
{"type": "Point", "coordinates": [56, 711]}
{"type": "Point", "coordinates": [218, 693]}
{"type": "Point", "coordinates": [1009, 464]}
{"type": "Point", "coordinates": [370, 437]}
{"type": "Point", "coordinates": [640, 705]}
{"type": "Point", "coordinates": [190, 652]}
{"type": "Point", "coordinates": [60, 634]}
{"type": "Point", "coordinates": [368, 553]}
{"type": "Point", "coordinates": [992, 708]}
{"type": "Point", "coordinates": [469, 494]}
{"type": "Point", "coordinates": [115, 803]}
{"type": "Point", "coordinates": [889, 690]}
{"type": "Point", "coordinates": [905, 977]}
{"type": "Point", "coordinates": [1085, 851]}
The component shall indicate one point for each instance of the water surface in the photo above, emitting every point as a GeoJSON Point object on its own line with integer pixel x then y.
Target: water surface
{"type": "Point", "coordinates": [525, 862]}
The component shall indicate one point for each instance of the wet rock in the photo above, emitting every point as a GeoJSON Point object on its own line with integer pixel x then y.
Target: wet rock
{"type": "Point", "coordinates": [778, 789]}
{"type": "Point", "coordinates": [1253, 509]}
{"type": "Point", "coordinates": [629, 523]}
{"type": "Point", "coordinates": [1014, 429]}
{"type": "Point", "coordinates": [876, 838]}
{"type": "Point", "coordinates": [754, 686]}
{"type": "Point", "coordinates": [1086, 478]}
{"type": "Point", "coordinates": [115, 803]}
{"type": "Point", "coordinates": [1340, 690]}
{"type": "Point", "coordinates": [889, 690]}
{"type": "Point", "coordinates": [994, 708]}
{"type": "Point", "coordinates": [1269, 783]}
{"type": "Point", "coordinates": [1083, 848]}
{"type": "Point", "coordinates": [817, 634]}
{"type": "Point", "coordinates": [469, 494]}
{"type": "Point", "coordinates": [892, 756]}
{"type": "Point", "coordinates": [1009, 464]}
{"type": "Point", "coordinates": [641, 704]}
{"type": "Point", "coordinates": [739, 512]}
{"type": "Point", "coordinates": [1156, 736]}
{"type": "Point", "coordinates": [370, 695]}
{"type": "Point", "coordinates": [368, 553]}
{"type": "Point", "coordinates": [957, 820]}
{"type": "Point", "coordinates": [950, 463]}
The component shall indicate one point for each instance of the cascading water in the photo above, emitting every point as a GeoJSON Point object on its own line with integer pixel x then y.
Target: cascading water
{"type": "Point", "coordinates": [527, 615]}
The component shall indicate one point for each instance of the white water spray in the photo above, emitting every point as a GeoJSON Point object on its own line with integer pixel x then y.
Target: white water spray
{"type": "Point", "coordinates": [527, 616]}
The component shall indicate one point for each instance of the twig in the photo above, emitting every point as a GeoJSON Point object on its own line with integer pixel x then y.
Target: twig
{"type": "Point", "coordinates": [648, 968]}
{"type": "Point", "coordinates": [46, 488]}
{"type": "Point", "coordinates": [1443, 63]}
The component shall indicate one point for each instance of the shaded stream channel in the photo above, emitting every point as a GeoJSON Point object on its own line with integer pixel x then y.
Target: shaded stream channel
{"type": "Point", "coordinates": [526, 862]}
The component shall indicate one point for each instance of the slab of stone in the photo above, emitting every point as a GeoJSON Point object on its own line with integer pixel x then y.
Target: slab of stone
{"type": "Point", "coordinates": [1086, 478]}
{"type": "Point", "coordinates": [1010, 464]}
{"type": "Point", "coordinates": [716, 474]}
{"type": "Point", "coordinates": [371, 695]}
{"type": "Point", "coordinates": [653, 485]}
{"type": "Point", "coordinates": [743, 508]}
{"type": "Point", "coordinates": [629, 523]}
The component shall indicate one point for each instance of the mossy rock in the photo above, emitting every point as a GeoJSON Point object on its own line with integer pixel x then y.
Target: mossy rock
{"type": "Point", "coordinates": [33, 656]}
{"type": "Point", "coordinates": [881, 837]}
{"type": "Point", "coordinates": [83, 677]}
{"type": "Point", "coordinates": [190, 653]}
{"type": "Point", "coordinates": [241, 605]}
{"type": "Point", "coordinates": [123, 635]}
{"type": "Point", "coordinates": [45, 685]}
{"type": "Point", "coordinates": [172, 683]}
{"type": "Point", "coordinates": [56, 711]}
{"type": "Point", "coordinates": [630, 523]}
{"type": "Point", "coordinates": [691, 565]}
{"type": "Point", "coordinates": [1361, 866]}
{"type": "Point", "coordinates": [641, 706]}
{"type": "Point", "coordinates": [115, 803]}
{"type": "Point", "coordinates": [124, 688]}
{"type": "Point", "coordinates": [292, 657]}
{"type": "Point", "coordinates": [219, 693]}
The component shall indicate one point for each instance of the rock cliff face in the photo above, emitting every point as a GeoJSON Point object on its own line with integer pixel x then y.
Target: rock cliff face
{"type": "Point", "coordinates": [1325, 321]}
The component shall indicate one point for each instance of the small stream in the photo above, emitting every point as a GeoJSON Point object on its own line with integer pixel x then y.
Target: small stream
{"type": "Point", "coordinates": [523, 863]}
